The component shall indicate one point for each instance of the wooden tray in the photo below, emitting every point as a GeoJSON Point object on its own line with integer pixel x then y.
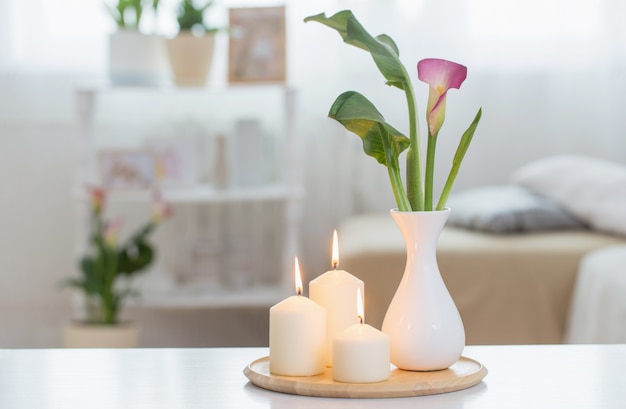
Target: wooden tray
{"type": "Point", "coordinates": [463, 374]}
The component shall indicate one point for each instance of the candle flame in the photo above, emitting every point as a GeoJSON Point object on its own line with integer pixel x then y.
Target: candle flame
{"type": "Point", "coordinates": [359, 305]}
{"type": "Point", "coordinates": [298, 278]}
{"type": "Point", "coordinates": [335, 259]}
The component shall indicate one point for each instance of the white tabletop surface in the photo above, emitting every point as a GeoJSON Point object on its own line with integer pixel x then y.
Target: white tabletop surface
{"type": "Point", "coordinates": [555, 376]}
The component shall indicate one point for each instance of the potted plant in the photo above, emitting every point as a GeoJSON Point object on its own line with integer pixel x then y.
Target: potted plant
{"type": "Point", "coordinates": [191, 51]}
{"type": "Point", "coordinates": [135, 58]}
{"type": "Point", "coordinates": [106, 269]}
{"type": "Point", "coordinates": [422, 321]}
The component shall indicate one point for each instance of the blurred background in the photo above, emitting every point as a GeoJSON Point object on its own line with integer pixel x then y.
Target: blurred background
{"type": "Point", "coordinates": [550, 76]}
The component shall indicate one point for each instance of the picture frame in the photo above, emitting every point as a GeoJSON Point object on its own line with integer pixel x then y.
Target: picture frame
{"type": "Point", "coordinates": [127, 169]}
{"type": "Point", "coordinates": [174, 161]}
{"type": "Point", "coordinates": [257, 45]}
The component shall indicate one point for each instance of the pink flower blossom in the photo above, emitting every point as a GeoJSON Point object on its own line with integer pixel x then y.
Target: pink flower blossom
{"type": "Point", "coordinates": [112, 232]}
{"type": "Point", "coordinates": [160, 209]}
{"type": "Point", "coordinates": [97, 196]}
{"type": "Point", "coordinates": [440, 75]}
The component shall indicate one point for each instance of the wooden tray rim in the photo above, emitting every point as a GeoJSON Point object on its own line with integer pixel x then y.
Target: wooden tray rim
{"type": "Point", "coordinates": [465, 373]}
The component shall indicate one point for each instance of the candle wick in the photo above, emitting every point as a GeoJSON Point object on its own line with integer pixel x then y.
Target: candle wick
{"type": "Point", "coordinates": [360, 320]}
{"type": "Point", "coordinates": [335, 265]}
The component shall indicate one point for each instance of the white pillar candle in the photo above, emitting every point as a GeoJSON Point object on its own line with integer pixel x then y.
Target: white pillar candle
{"type": "Point", "coordinates": [334, 290]}
{"type": "Point", "coordinates": [361, 354]}
{"type": "Point", "coordinates": [297, 335]}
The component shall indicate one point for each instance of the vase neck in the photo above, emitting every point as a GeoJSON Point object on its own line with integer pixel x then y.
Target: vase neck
{"type": "Point", "coordinates": [420, 230]}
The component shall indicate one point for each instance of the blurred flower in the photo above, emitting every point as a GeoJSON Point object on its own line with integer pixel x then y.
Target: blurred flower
{"type": "Point", "coordinates": [112, 232]}
{"type": "Point", "coordinates": [107, 258]}
{"type": "Point", "coordinates": [161, 210]}
{"type": "Point", "coordinates": [97, 197]}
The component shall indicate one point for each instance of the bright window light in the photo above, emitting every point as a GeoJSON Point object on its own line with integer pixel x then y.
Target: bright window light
{"type": "Point", "coordinates": [534, 19]}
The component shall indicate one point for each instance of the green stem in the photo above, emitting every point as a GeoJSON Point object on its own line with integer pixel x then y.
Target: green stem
{"type": "Point", "coordinates": [413, 169]}
{"type": "Point", "coordinates": [394, 172]}
{"type": "Point", "coordinates": [398, 189]}
{"type": "Point", "coordinates": [430, 171]}
{"type": "Point", "coordinates": [109, 309]}
{"type": "Point", "coordinates": [447, 187]}
{"type": "Point", "coordinates": [109, 295]}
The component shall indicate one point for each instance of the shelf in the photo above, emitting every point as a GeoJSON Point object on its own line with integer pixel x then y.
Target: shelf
{"type": "Point", "coordinates": [213, 297]}
{"type": "Point", "coordinates": [123, 119]}
{"type": "Point", "coordinates": [206, 194]}
{"type": "Point", "coordinates": [214, 87]}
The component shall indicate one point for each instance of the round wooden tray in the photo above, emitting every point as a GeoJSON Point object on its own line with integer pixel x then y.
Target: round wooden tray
{"type": "Point", "coordinates": [463, 374]}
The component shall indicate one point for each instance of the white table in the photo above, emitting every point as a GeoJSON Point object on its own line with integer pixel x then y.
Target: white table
{"type": "Point", "coordinates": [555, 376]}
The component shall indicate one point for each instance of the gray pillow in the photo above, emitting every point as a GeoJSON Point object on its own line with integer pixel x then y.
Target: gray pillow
{"type": "Point", "coordinates": [508, 209]}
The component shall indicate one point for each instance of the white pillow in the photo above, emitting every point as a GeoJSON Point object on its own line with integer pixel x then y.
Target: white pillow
{"type": "Point", "coordinates": [593, 190]}
{"type": "Point", "coordinates": [507, 209]}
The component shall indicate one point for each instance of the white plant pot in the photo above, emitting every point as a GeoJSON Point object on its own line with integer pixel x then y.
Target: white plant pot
{"type": "Point", "coordinates": [81, 335]}
{"type": "Point", "coordinates": [137, 59]}
{"type": "Point", "coordinates": [190, 57]}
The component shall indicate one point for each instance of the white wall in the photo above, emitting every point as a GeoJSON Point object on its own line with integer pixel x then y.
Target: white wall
{"type": "Point", "coordinates": [567, 97]}
{"type": "Point", "coordinates": [36, 231]}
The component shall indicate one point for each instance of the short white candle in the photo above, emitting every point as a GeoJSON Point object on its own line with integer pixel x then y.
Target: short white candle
{"type": "Point", "coordinates": [361, 353]}
{"type": "Point", "coordinates": [297, 335]}
{"type": "Point", "coordinates": [334, 290]}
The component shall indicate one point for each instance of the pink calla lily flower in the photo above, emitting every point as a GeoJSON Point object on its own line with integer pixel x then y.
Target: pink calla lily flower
{"type": "Point", "coordinates": [440, 75]}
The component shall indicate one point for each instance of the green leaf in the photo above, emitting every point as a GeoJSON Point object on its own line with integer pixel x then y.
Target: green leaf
{"type": "Point", "coordinates": [134, 258]}
{"type": "Point", "coordinates": [384, 38]}
{"type": "Point", "coordinates": [190, 15]}
{"type": "Point", "coordinates": [358, 115]}
{"type": "Point", "coordinates": [92, 280]}
{"type": "Point", "coordinates": [382, 48]}
{"type": "Point", "coordinates": [464, 144]}
{"type": "Point", "coordinates": [87, 265]}
{"type": "Point", "coordinates": [466, 139]}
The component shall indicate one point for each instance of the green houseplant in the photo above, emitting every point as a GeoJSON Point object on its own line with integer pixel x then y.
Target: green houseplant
{"type": "Point", "coordinates": [190, 16]}
{"type": "Point", "coordinates": [191, 51]}
{"type": "Point", "coordinates": [127, 13]}
{"type": "Point", "coordinates": [107, 262]}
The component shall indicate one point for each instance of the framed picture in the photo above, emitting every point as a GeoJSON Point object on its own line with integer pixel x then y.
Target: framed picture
{"type": "Point", "coordinates": [256, 48]}
{"type": "Point", "coordinates": [127, 169]}
{"type": "Point", "coordinates": [174, 161]}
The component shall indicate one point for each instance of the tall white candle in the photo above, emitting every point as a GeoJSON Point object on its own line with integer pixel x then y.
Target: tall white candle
{"type": "Point", "coordinates": [334, 290]}
{"type": "Point", "coordinates": [361, 353]}
{"type": "Point", "coordinates": [297, 335]}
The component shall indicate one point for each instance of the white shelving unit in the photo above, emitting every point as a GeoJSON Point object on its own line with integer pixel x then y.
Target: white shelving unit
{"type": "Point", "coordinates": [204, 203]}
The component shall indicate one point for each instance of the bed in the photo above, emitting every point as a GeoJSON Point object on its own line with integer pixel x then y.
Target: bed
{"type": "Point", "coordinates": [509, 289]}
{"type": "Point", "coordinates": [509, 255]}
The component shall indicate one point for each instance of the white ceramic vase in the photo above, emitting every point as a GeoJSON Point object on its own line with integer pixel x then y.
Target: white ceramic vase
{"type": "Point", "coordinates": [423, 323]}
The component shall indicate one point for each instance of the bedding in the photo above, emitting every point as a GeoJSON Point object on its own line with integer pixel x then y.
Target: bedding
{"type": "Point", "coordinates": [594, 190]}
{"type": "Point", "coordinates": [508, 209]}
{"type": "Point", "coordinates": [509, 289]}
{"type": "Point", "coordinates": [598, 311]}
